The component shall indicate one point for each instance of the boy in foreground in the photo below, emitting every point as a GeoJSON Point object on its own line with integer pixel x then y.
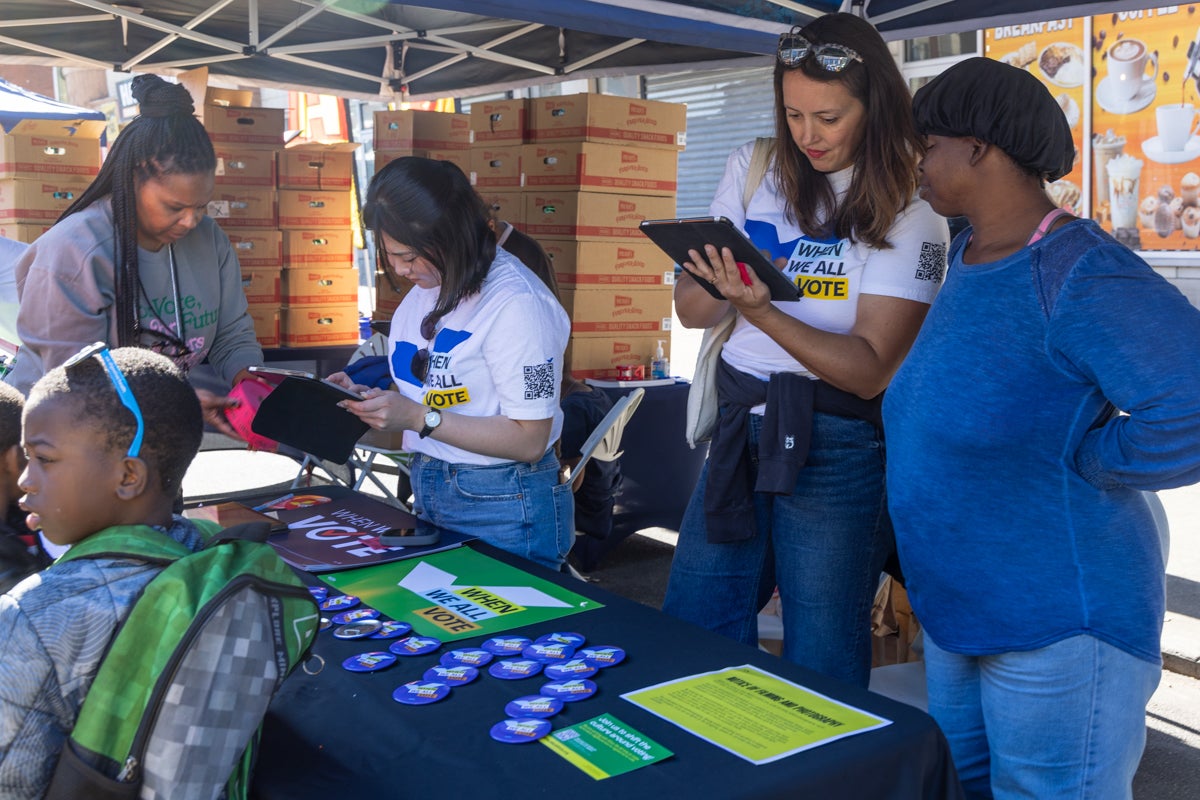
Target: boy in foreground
{"type": "Point", "coordinates": [109, 436]}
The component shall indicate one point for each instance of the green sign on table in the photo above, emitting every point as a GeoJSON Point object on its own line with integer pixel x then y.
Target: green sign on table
{"type": "Point", "coordinates": [604, 746]}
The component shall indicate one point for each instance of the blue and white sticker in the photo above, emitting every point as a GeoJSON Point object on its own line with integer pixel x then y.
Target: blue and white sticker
{"type": "Point", "coordinates": [576, 640]}
{"type": "Point", "coordinates": [569, 691]}
{"type": "Point", "coordinates": [369, 662]}
{"type": "Point", "coordinates": [391, 629]}
{"type": "Point", "coordinates": [415, 645]}
{"type": "Point", "coordinates": [451, 676]}
{"type": "Point", "coordinates": [520, 731]}
{"type": "Point", "coordinates": [358, 630]}
{"type": "Point", "coordinates": [549, 652]}
{"type": "Point", "coordinates": [339, 603]}
{"type": "Point", "coordinates": [319, 593]}
{"type": "Point", "coordinates": [512, 669]}
{"type": "Point", "coordinates": [346, 617]}
{"type": "Point", "coordinates": [467, 656]}
{"type": "Point", "coordinates": [534, 705]}
{"type": "Point", "coordinates": [574, 668]}
{"type": "Point", "coordinates": [506, 645]}
{"type": "Point", "coordinates": [420, 693]}
{"type": "Point", "coordinates": [602, 656]}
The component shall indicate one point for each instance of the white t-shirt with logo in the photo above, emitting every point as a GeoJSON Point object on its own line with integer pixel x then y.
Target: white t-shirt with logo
{"type": "Point", "coordinates": [831, 273]}
{"type": "Point", "coordinates": [499, 352]}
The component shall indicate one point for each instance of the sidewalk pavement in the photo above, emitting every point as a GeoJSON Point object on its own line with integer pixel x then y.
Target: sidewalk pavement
{"type": "Point", "coordinates": [1181, 627]}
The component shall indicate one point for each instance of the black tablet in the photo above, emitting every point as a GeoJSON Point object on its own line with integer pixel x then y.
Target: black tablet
{"type": "Point", "coordinates": [677, 236]}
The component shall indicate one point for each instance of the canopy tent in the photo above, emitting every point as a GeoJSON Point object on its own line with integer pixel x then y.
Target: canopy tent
{"type": "Point", "coordinates": [441, 48]}
{"type": "Point", "coordinates": [17, 104]}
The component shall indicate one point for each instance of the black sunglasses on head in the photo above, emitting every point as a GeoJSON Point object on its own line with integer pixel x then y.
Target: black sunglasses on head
{"type": "Point", "coordinates": [794, 47]}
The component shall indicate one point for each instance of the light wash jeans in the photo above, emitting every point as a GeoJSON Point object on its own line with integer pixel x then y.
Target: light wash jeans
{"type": "Point", "coordinates": [1065, 721]}
{"type": "Point", "coordinates": [824, 545]}
{"type": "Point", "coordinates": [518, 507]}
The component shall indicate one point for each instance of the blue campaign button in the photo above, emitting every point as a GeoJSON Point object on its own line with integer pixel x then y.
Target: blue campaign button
{"type": "Point", "coordinates": [358, 630]}
{"type": "Point", "coordinates": [569, 691]}
{"type": "Point", "coordinates": [391, 629]}
{"type": "Point", "coordinates": [602, 656]}
{"type": "Point", "coordinates": [512, 669]}
{"type": "Point", "coordinates": [576, 640]}
{"type": "Point", "coordinates": [415, 645]}
{"type": "Point", "coordinates": [451, 676]}
{"type": "Point", "coordinates": [467, 656]}
{"type": "Point", "coordinates": [506, 645]}
{"type": "Point", "coordinates": [369, 662]}
{"type": "Point", "coordinates": [340, 603]}
{"type": "Point", "coordinates": [420, 693]}
{"type": "Point", "coordinates": [326, 623]}
{"type": "Point", "coordinates": [549, 652]}
{"type": "Point", "coordinates": [534, 705]}
{"type": "Point", "coordinates": [319, 593]}
{"type": "Point", "coordinates": [575, 668]}
{"type": "Point", "coordinates": [358, 614]}
{"type": "Point", "coordinates": [520, 731]}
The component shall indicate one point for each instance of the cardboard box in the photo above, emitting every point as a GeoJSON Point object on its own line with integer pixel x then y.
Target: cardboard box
{"type": "Point", "coordinates": [243, 207]}
{"type": "Point", "coordinates": [599, 356]}
{"type": "Point", "coordinates": [24, 233]}
{"type": "Point", "coordinates": [257, 248]}
{"type": "Point", "coordinates": [593, 167]}
{"type": "Point", "coordinates": [36, 148]}
{"type": "Point", "coordinates": [565, 214]}
{"type": "Point", "coordinates": [241, 166]}
{"type": "Point", "coordinates": [495, 167]}
{"type": "Point", "coordinates": [507, 206]}
{"type": "Point", "coordinates": [37, 201]}
{"type": "Point", "coordinates": [500, 121]}
{"type": "Point", "coordinates": [304, 209]}
{"type": "Point", "coordinates": [607, 118]}
{"type": "Point", "coordinates": [460, 158]}
{"type": "Point", "coordinates": [243, 127]}
{"type": "Point", "coordinates": [318, 247]}
{"type": "Point", "coordinates": [618, 310]}
{"type": "Point", "coordinates": [388, 294]}
{"type": "Point", "coordinates": [266, 324]}
{"type": "Point", "coordinates": [589, 265]}
{"type": "Point", "coordinates": [429, 130]}
{"type": "Point", "coordinates": [334, 324]}
{"type": "Point", "coordinates": [319, 286]}
{"type": "Point", "coordinates": [325, 167]}
{"type": "Point", "coordinates": [262, 286]}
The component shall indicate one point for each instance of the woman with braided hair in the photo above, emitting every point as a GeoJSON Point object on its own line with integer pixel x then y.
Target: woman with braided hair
{"type": "Point", "coordinates": [134, 261]}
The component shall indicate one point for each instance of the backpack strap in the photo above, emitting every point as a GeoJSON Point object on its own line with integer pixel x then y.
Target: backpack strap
{"type": "Point", "coordinates": [760, 159]}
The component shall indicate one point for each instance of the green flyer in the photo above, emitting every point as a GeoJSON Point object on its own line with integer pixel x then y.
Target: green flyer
{"type": "Point", "coordinates": [753, 714]}
{"type": "Point", "coordinates": [459, 593]}
{"type": "Point", "coordinates": [604, 746]}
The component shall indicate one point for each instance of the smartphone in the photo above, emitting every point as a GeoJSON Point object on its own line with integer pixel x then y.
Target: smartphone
{"type": "Point", "coordinates": [229, 514]}
{"type": "Point", "coordinates": [408, 537]}
{"type": "Point", "coordinates": [677, 236]}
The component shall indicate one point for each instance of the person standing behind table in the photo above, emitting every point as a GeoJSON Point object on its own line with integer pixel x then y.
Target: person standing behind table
{"type": "Point", "coordinates": [1055, 380]}
{"type": "Point", "coordinates": [793, 489]}
{"type": "Point", "coordinates": [476, 351]}
{"type": "Point", "coordinates": [134, 261]}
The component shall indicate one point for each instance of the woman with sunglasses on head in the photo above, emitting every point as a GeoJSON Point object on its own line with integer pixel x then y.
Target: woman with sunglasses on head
{"type": "Point", "coordinates": [134, 261]}
{"type": "Point", "coordinates": [792, 494]}
{"type": "Point", "coordinates": [476, 352]}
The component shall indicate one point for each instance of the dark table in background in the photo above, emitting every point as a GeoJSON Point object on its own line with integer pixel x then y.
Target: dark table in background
{"type": "Point", "coordinates": [327, 359]}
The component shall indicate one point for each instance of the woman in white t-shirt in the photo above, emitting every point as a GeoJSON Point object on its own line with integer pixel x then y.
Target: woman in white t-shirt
{"type": "Point", "coordinates": [793, 490]}
{"type": "Point", "coordinates": [476, 352]}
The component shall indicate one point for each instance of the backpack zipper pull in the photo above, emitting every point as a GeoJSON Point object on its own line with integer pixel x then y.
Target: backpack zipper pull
{"type": "Point", "coordinates": [127, 773]}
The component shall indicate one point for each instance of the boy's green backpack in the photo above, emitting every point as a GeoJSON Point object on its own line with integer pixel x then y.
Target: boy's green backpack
{"type": "Point", "coordinates": [176, 706]}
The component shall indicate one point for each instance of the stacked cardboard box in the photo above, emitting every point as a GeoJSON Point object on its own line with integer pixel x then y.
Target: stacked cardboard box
{"type": "Point", "coordinates": [593, 167]}
{"type": "Point", "coordinates": [44, 166]}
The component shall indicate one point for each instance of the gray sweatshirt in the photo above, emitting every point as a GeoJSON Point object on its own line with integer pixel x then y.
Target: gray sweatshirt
{"type": "Point", "coordinates": [65, 281]}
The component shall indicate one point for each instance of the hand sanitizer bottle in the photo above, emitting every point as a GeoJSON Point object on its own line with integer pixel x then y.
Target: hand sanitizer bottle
{"type": "Point", "coordinates": [659, 367]}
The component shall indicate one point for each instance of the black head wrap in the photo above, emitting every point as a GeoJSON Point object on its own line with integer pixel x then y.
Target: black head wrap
{"type": "Point", "coordinates": [159, 98]}
{"type": "Point", "coordinates": [1002, 105]}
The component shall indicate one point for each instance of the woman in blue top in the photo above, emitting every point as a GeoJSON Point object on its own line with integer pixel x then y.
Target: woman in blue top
{"type": "Point", "coordinates": [1053, 382]}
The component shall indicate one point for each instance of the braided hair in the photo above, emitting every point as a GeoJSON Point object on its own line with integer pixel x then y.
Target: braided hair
{"type": "Point", "coordinates": [165, 139]}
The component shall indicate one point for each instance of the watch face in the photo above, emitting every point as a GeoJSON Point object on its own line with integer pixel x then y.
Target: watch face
{"type": "Point", "coordinates": [433, 419]}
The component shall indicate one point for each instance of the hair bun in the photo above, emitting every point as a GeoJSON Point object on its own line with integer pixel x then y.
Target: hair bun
{"type": "Point", "coordinates": [159, 98]}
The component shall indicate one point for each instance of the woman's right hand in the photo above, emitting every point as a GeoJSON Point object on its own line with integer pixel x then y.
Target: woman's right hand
{"type": "Point", "coordinates": [695, 307]}
{"type": "Point", "coordinates": [343, 380]}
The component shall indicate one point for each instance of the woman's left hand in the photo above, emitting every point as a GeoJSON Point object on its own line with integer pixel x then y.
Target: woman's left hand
{"type": "Point", "coordinates": [386, 410]}
{"type": "Point", "coordinates": [213, 407]}
{"type": "Point", "coordinates": [738, 284]}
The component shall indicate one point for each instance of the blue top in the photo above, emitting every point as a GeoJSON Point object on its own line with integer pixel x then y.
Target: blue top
{"type": "Point", "coordinates": [1014, 488]}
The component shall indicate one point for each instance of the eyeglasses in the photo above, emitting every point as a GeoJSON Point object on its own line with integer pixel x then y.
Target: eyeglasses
{"type": "Point", "coordinates": [419, 366]}
{"type": "Point", "coordinates": [794, 48]}
{"type": "Point", "coordinates": [117, 379]}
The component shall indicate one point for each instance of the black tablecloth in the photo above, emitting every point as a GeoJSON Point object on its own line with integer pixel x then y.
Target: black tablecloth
{"type": "Point", "coordinates": [340, 735]}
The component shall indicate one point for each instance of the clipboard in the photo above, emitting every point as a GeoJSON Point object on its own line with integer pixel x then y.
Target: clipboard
{"type": "Point", "coordinates": [303, 412]}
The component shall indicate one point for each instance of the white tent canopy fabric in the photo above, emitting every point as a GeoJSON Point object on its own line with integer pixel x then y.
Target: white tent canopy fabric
{"type": "Point", "coordinates": [442, 48]}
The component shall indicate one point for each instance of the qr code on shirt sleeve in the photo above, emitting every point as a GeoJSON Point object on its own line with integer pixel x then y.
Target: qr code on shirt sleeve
{"type": "Point", "coordinates": [932, 263]}
{"type": "Point", "coordinates": [539, 381]}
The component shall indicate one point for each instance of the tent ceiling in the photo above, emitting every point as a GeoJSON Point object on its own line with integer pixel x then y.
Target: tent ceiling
{"type": "Point", "coordinates": [437, 48]}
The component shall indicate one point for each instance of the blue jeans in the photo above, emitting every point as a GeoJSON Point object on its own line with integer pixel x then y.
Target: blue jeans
{"type": "Point", "coordinates": [518, 507]}
{"type": "Point", "coordinates": [1065, 721]}
{"type": "Point", "coordinates": [824, 545]}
